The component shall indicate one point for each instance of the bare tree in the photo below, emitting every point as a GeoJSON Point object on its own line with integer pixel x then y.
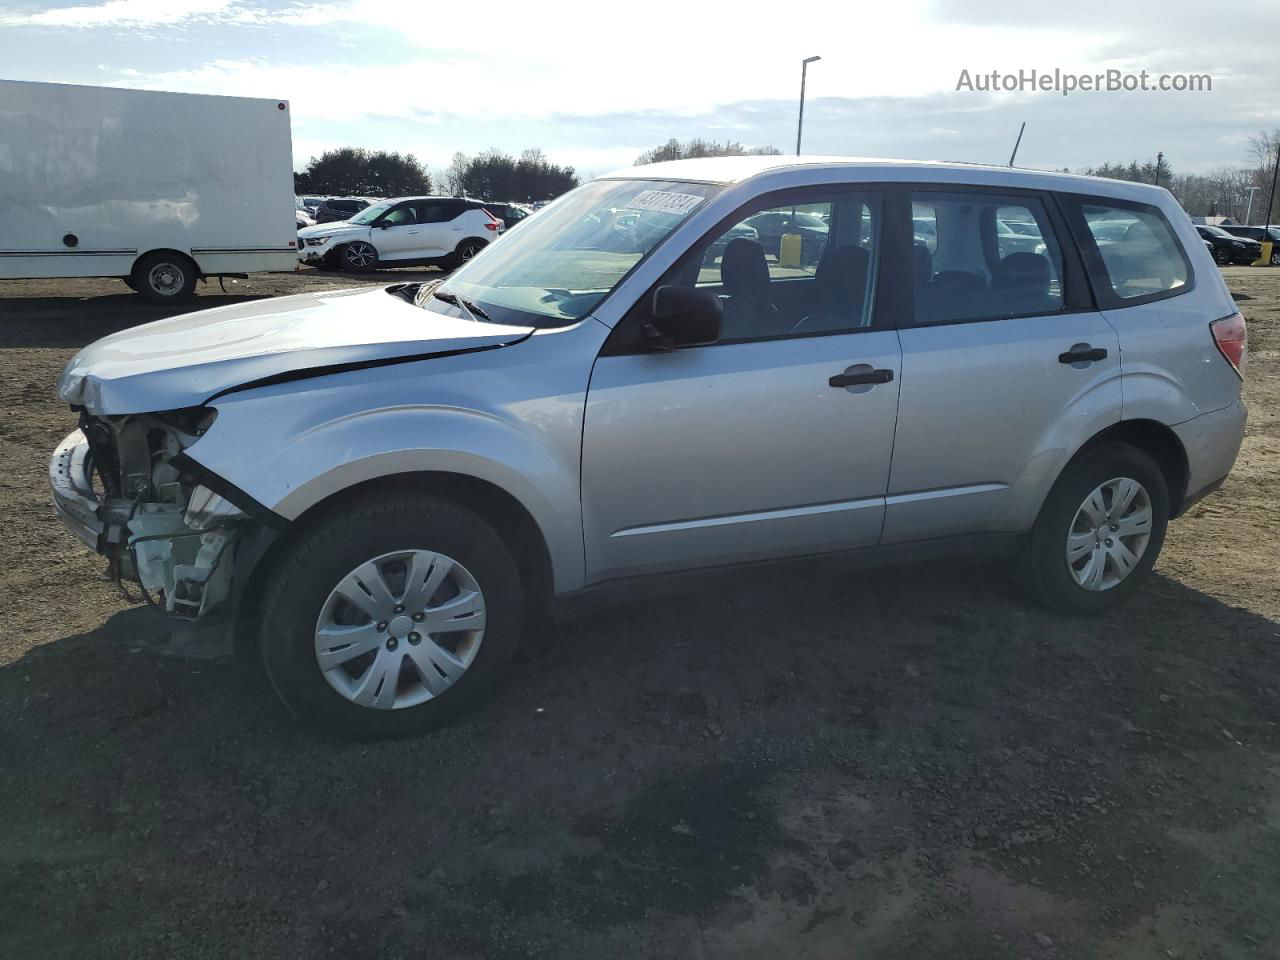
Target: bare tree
{"type": "Point", "coordinates": [454, 173]}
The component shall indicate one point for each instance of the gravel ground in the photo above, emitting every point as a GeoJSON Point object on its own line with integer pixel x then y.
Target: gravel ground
{"type": "Point", "coordinates": [910, 763]}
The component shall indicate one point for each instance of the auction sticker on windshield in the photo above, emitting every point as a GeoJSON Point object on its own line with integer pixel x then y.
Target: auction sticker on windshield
{"type": "Point", "coordinates": [663, 202]}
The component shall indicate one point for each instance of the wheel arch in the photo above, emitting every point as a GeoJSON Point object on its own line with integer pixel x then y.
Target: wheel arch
{"type": "Point", "coordinates": [170, 251]}
{"type": "Point", "coordinates": [506, 514]}
{"type": "Point", "coordinates": [1157, 441]}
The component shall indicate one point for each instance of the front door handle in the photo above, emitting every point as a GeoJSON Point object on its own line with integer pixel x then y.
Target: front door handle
{"type": "Point", "coordinates": [1082, 353]}
{"type": "Point", "coordinates": [861, 374]}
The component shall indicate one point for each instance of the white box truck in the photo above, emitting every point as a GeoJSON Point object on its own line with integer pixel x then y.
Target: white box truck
{"type": "Point", "coordinates": [158, 189]}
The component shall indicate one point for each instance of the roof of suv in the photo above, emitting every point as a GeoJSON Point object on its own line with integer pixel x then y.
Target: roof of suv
{"type": "Point", "coordinates": [738, 169]}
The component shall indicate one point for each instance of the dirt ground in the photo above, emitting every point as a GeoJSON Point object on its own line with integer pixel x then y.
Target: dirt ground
{"type": "Point", "coordinates": [911, 763]}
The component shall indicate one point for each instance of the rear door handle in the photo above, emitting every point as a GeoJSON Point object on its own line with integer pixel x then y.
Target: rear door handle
{"type": "Point", "coordinates": [861, 374]}
{"type": "Point", "coordinates": [1082, 353]}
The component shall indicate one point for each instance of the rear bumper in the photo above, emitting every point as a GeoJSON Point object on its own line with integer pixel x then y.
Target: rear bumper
{"type": "Point", "coordinates": [1212, 442]}
{"type": "Point", "coordinates": [73, 496]}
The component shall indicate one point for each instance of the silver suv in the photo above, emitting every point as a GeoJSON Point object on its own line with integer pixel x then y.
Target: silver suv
{"type": "Point", "coordinates": [383, 488]}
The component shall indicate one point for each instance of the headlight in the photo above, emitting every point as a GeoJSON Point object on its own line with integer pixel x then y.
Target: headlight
{"type": "Point", "coordinates": [318, 241]}
{"type": "Point", "coordinates": [205, 508]}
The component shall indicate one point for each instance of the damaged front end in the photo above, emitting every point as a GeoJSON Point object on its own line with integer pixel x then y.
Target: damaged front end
{"type": "Point", "coordinates": [124, 486]}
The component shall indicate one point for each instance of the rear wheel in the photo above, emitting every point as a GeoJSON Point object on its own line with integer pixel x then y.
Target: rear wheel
{"type": "Point", "coordinates": [1099, 532]}
{"type": "Point", "coordinates": [390, 618]}
{"type": "Point", "coordinates": [1275, 255]}
{"type": "Point", "coordinates": [467, 250]}
{"type": "Point", "coordinates": [359, 257]}
{"type": "Point", "coordinates": [164, 277]}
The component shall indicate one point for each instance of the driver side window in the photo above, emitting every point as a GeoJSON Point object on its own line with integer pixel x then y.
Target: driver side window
{"type": "Point", "coordinates": [400, 216]}
{"type": "Point", "coordinates": [801, 268]}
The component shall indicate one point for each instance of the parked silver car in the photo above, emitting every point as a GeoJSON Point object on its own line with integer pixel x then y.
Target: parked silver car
{"type": "Point", "coordinates": [382, 488]}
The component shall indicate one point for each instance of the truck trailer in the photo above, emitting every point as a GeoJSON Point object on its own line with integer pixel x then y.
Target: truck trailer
{"type": "Point", "coordinates": [157, 189]}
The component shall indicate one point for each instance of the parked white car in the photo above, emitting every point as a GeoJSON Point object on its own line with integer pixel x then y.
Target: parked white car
{"type": "Point", "coordinates": [404, 232]}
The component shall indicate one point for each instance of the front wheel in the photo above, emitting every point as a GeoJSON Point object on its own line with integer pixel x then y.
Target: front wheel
{"type": "Point", "coordinates": [391, 616]}
{"type": "Point", "coordinates": [1099, 532]}
{"type": "Point", "coordinates": [359, 257]}
{"type": "Point", "coordinates": [1221, 257]}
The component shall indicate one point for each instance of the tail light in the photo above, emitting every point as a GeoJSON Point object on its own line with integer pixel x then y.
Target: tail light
{"type": "Point", "coordinates": [1232, 339]}
{"type": "Point", "coordinates": [494, 223]}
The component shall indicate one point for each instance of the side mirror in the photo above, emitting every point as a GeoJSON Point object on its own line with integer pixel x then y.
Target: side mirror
{"type": "Point", "coordinates": [683, 317]}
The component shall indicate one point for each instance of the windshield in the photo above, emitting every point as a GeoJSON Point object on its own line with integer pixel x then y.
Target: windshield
{"type": "Point", "coordinates": [554, 270]}
{"type": "Point", "coordinates": [1217, 232]}
{"type": "Point", "coordinates": [369, 214]}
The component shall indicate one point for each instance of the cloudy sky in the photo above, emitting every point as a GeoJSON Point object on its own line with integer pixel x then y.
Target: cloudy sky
{"type": "Point", "coordinates": [595, 84]}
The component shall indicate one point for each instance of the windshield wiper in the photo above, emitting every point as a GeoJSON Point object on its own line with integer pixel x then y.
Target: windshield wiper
{"type": "Point", "coordinates": [469, 306]}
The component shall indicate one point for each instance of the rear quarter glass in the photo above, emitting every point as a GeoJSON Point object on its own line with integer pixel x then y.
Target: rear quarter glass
{"type": "Point", "coordinates": [1173, 369]}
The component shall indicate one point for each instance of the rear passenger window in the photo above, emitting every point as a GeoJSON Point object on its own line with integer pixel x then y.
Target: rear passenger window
{"type": "Point", "coordinates": [1138, 250]}
{"type": "Point", "coordinates": [438, 212]}
{"type": "Point", "coordinates": [983, 257]}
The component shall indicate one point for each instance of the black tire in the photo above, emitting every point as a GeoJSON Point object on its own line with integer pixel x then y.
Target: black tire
{"type": "Point", "coordinates": [1042, 567]}
{"type": "Point", "coordinates": [164, 277]}
{"type": "Point", "coordinates": [129, 282]}
{"type": "Point", "coordinates": [301, 582]}
{"type": "Point", "coordinates": [1221, 257]}
{"type": "Point", "coordinates": [1275, 256]}
{"type": "Point", "coordinates": [358, 257]}
{"type": "Point", "coordinates": [467, 249]}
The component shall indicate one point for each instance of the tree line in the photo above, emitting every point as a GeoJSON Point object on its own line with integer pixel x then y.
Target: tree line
{"type": "Point", "coordinates": [1223, 192]}
{"type": "Point", "coordinates": [673, 149]}
{"type": "Point", "coordinates": [493, 175]}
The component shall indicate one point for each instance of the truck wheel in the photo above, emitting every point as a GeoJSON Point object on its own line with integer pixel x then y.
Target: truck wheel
{"type": "Point", "coordinates": [1098, 533]}
{"type": "Point", "coordinates": [359, 257]}
{"type": "Point", "coordinates": [467, 250]}
{"type": "Point", "coordinates": [164, 277]}
{"type": "Point", "coordinates": [391, 616]}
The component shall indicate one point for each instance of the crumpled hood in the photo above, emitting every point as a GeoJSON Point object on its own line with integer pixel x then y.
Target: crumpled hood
{"type": "Point", "coordinates": [185, 360]}
{"type": "Point", "coordinates": [337, 227]}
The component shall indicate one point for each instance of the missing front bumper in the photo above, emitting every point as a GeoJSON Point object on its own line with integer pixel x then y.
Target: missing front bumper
{"type": "Point", "coordinates": [73, 495]}
{"type": "Point", "coordinates": [179, 548]}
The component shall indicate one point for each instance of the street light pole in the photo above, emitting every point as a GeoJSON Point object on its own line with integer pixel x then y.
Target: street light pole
{"type": "Point", "coordinates": [804, 70]}
{"type": "Point", "coordinates": [1248, 213]}
{"type": "Point", "coordinates": [1271, 201]}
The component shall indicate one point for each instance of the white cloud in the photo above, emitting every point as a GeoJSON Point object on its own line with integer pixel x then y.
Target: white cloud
{"type": "Point", "coordinates": [121, 13]}
{"type": "Point", "coordinates": [604, 88]}
{"type": "Point", "coordinates": [692, 60]}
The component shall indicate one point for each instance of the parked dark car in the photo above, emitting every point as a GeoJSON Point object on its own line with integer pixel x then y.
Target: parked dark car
{"type": "Point", "coordinates": [1259, 234]}
{"type": "Point", "coordinates": [737, 231]}
{"type": "Point", "coordinates": [337, 209]}
{"type": "Point", "coordinates": [509, 213]}
{"type": "Point", "coordinates": [772, 226]}
{"type": "Point", "coordinates": [1228, 249]}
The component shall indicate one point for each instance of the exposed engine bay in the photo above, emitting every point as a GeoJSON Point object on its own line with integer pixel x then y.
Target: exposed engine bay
{"type": "Point", "coordinates": [124, 487]}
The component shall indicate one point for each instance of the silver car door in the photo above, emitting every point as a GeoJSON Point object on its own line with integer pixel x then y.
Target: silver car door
{"type": "Point", "coordinates": [1006, 368]}
{"type": "Point", "coordinates": [773, 441]}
